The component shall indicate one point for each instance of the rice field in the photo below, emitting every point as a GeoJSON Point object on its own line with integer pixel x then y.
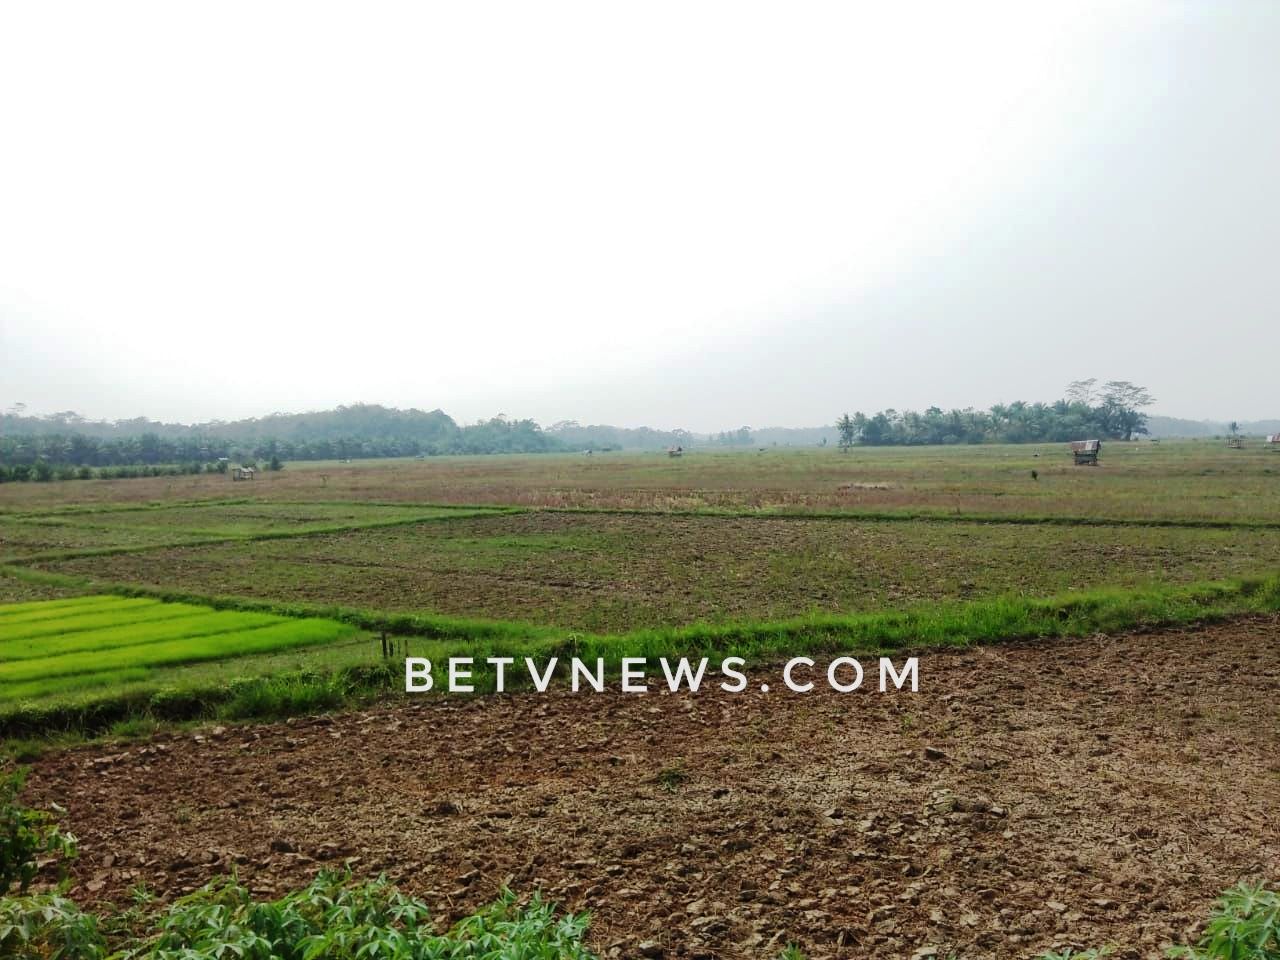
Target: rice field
{"type": "Point", "coordinates": [1173, 480]}
{"type": "Point", "coordinates": [50, 648]}
{"type": "Point", "coordinates": [616, 552]}
{"type": "Point", "coordinates": [619, 572]}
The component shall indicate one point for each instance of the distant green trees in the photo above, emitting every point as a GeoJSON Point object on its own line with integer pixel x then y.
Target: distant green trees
{"type": "Point", "coordinates": [735, 438]}
{"type": "Point", "coordinates": [1114, 410]}
{"type": "Point", "coordinates": [576, 436]}
{"type": "Point", "coordinates": [501, 434]}
{"type": "Point", "coordinates": [43, 472]}
{"type": "Point", "coordinates": [36, 447]}
{"type": "Point", "coordinates": [1121, 408]}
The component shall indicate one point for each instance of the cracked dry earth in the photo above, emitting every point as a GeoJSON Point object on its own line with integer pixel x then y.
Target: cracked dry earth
{"type": "Point", "coordinates": [1030, 796]}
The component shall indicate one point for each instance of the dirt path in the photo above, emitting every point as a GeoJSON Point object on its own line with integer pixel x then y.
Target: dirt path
{"type": "Point", "coordinates": [1099, 791]}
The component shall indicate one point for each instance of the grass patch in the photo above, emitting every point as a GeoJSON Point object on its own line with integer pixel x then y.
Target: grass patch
{"type": "Point", "coordinates": [199, 623]}
{"type": "Point", "coordinates": [92, 619]}
{"type": "Point", "coordinates": [17, 617]}
{"type": "Point", "coordinates": [235, 641]}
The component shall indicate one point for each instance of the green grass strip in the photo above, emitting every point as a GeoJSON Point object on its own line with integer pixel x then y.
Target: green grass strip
{"type": "Point", "coordinates": [922, 516]}
{"type": "Point", "coordinates": [108, 507]}
{"type": "Point", "coordinates": [53, 556]}
{"type": "Point", "coordinates": [52, 686]}
{"type": "Point", "coordinates": [280, 636]}
{"type": "Point", "coordinates": [159, 506]}
{"type": "Point", "coordinates": [94, 620]}
{"type": "Point", "coordinates": [208, 623]}
{"type": "Point", "coordinates": [399, 624]}
{"type": "Point", "coordinates": [956, 624]}
{"type": "Point", "coordinates": [40, 609]}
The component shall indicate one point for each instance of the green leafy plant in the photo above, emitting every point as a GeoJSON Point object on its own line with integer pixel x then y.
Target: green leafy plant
{"type": "Point", "coordinates": [26, 835]}
{"type": "Point", "coordinates": [48, 927]}
{"type": "Point", "coordinates": [670, 778]}
{"type": "Point", "coordinates": [336, 919]}
{"type": "Point", "coordinates": [1245, 925]}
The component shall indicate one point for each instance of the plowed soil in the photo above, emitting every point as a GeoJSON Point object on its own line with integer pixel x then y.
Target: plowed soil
{"type": "Point", "coordinates": [1087, 792]}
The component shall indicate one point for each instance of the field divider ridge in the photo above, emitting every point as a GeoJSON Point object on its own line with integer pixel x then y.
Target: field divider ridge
{"type": "Point", "coordinates": [53, 556]}
{"type": "Point", "coordinates": [872, 516]}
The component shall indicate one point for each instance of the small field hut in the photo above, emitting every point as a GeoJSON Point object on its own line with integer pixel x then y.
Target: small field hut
{"type": "Point", "coordinates": [1085, 452]}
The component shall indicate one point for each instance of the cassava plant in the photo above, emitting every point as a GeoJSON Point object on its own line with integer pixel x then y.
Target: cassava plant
{"type": "Point", "coordinates": [26, 835]}
{"type": "Point", "coordinates": [1245, 925]}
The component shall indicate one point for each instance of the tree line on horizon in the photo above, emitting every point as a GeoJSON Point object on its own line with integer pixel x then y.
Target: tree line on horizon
{"type": "Point", "coordinates": [360, 431]}
{"type": "Point", "coordinates": [1089, 411]}
{"type": "Point", "coordinates": [66, 445]}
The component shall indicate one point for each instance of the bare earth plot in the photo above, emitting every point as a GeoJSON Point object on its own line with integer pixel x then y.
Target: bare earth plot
{"type": "Point", "coordinates": [1095, 791]}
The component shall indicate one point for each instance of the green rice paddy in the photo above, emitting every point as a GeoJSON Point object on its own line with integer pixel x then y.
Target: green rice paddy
{"type": "Point", "coordinates": [49, 648]}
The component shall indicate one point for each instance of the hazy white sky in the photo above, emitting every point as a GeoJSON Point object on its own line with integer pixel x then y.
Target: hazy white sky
{"type": "Point", "coordinates": [684, 214]}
